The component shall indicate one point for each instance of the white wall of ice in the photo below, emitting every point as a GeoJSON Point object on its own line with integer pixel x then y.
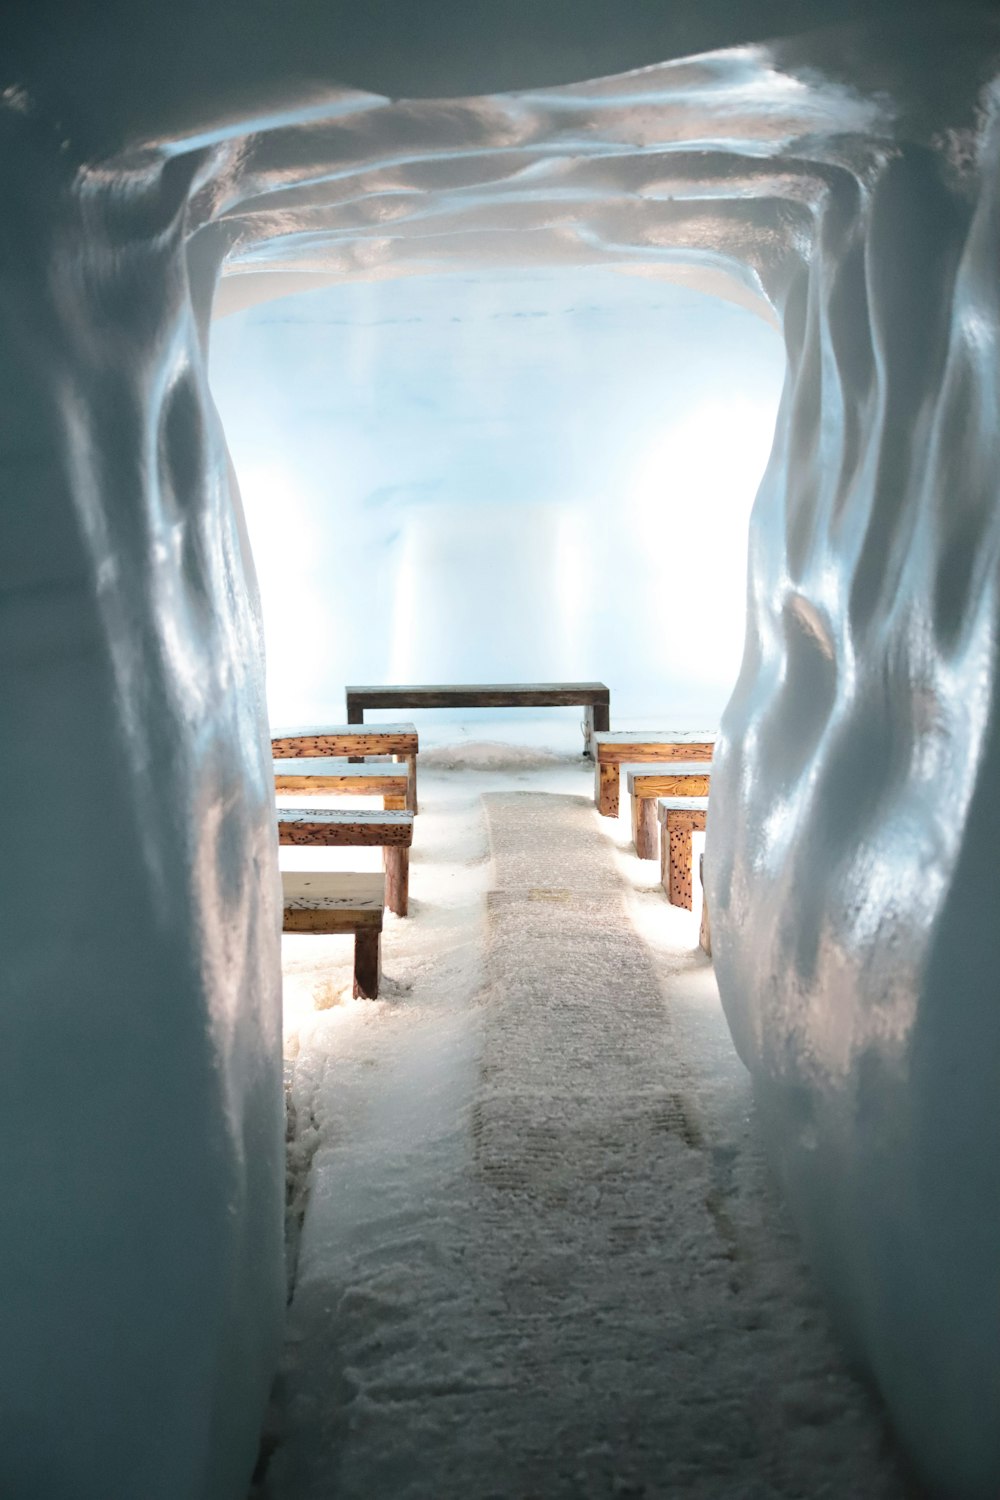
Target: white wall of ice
{"type": "Point", "coordinates": [533, 476]}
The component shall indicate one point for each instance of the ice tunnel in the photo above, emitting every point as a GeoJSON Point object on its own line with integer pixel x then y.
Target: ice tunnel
{"type": "Point", "coordinates": [834, 168]}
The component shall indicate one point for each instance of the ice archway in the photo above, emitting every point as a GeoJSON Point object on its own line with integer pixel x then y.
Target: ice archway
{"type": "Point", "coordinates": [844, 182]}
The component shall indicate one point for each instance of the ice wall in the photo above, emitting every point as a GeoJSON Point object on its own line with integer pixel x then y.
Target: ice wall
{"type": "Point", "coordinates": [141, 1111]}
{"type": "Point", "coordinates": [461, 478]}
{"type": "Point", "coordinates": [843, 181]}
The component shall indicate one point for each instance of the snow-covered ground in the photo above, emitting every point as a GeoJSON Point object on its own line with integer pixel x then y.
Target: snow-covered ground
{"type": "Point", "coordinates": [541, 1254]}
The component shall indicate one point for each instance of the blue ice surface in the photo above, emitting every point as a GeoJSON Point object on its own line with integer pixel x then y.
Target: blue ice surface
{"type": "Point", "coordinates": [533, 476]}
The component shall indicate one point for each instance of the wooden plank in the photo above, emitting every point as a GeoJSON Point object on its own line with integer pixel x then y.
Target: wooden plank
{"type": "Point", "coordinates": [656, 737]}
{"type": "Point", "coordinates": [343, 739]}
{"type": "Point", "coordinates": [321, 775]}
{"type": "Point", "coordinates": [331, 901]}
{"type": "Point", "coordinates": [477, 695]}
{"type": "Point", "coordinates": [335, 827]}
{"type": "Point", "coordinates": [618, 752]}
{"type": "Point", "coordinates": [682, 779]}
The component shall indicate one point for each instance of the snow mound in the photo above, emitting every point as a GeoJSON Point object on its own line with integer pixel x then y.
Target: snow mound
{"type": "Point", "coordinates": [494, 755]}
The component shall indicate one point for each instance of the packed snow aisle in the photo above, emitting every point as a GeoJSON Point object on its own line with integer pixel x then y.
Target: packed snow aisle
{"type": "Point", "coordinates": [541, 1257]}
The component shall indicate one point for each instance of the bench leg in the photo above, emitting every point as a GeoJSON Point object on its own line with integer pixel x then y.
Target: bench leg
{"type": "Point", "coordinates": [411, 793]}
{"type": "Point", "coordinates": [606, 779]}
{"type": "Point", "coordinates": [705, 935]}
{"type": "Point", "coordinates": [394, 804]}
{"type": "Point", "coordinates": [367, 963]}
{"type": "Point", "coordinates": [644, 829]}
{"type": "Point", "coordinates": [355, 716]}
{"type": "Point", "coordinates": [596, 717]}
{"type": "Point", "coordinates": [396, 861]}
{"type": "Point", "coordinates": [679, 861]}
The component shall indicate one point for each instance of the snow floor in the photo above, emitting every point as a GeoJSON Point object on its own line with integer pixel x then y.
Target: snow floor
{"type": "Point", "coordinates": [541, 1254]}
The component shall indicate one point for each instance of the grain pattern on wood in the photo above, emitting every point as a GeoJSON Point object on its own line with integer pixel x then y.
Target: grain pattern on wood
{"type": "Point", "coordinates": [683, 779]}
{"type": "Point", "coordinates": [614, 751]}
{"type": "Point", "coordinates": [644, 827]}
{"type": "Point", "coordinates": [606, 783]}
{"type": "Point", "coordinates": [338, 827]}
{"type": "Point", "coordinates": [619, 749]}
{"type": "Point", "coordinates": [344, 739]}
{"type": "Point", "coordinates": [323, 775]}
{"type": "Point", "coordinates": [705, 934]}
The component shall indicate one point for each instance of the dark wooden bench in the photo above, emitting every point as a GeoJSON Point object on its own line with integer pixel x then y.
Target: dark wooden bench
{"type": "Point", "coordinates": [594, 697]}
{"type": "Point", "coordinates": [337, 827]}
{"type": "Point", "coordinates": [678, 818]}
{"type": "Point", "coordinates": [635, 746]}
{"type": "Point", "coordinates": [399, 740]}
{"type": "Point", "coordinates": [328, 901]}
{"type": "Point", "coordinates": [327, 775]}
{"type": "Point", "coordinates": [648, 782]}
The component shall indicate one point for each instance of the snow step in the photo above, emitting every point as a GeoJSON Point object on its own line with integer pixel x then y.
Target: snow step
{"type": "Point", "coordinates": [330, 901]}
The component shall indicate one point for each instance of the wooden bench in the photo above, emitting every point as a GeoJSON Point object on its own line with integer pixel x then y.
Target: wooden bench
{"type": "Point", "coordinates": [648, 782]}
{"type": "Point", "coordinates": [327, 775]}
{"type": "Point", "coordinates": [678, 818]}
{"type": "Point", "coordinates": [637, 747]}
{"type": "Point", "coordinates": [328, 901]}
{"type": "Point", "coordinates": [399, 740]}
{"type": "Point", "coordinates": [595, 697]}
{"type": "Point", "coordinates": [339, 827]}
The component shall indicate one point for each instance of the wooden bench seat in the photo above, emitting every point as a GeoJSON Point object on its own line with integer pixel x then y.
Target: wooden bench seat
{"type": "Point", "coordinates": [648, 782]}
{"type": "Point", "coordinates": [315, 740]}
{"type": "Point", "coordinates": [328, 775]}
{"type": "Point", "coordinates": [636, 746]}
{"type": "Point", "coordinates": [594, 697]}
{"type": "Point", "coordinates": [327, 901]}
{"type": "Point", "coordinates": [339, 827]}
{"type": "Point", "coordinates": [678, 818]}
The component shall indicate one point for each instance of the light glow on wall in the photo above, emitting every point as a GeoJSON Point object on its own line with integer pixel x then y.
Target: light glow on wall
{"type": "Point", "coordinates": [530, 476]}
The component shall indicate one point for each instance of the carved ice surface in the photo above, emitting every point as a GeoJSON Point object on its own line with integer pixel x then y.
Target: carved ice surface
{"type": "Point", "coordinates": [846, 183]}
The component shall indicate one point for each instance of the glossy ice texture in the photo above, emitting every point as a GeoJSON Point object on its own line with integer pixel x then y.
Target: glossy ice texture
{"type": "Point", "coordinates": [845, 183]}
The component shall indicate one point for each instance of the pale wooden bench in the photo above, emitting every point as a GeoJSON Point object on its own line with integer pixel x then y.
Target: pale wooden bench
{"type": "Point", "coordinates": [328, 901]}
{"type": "Point", "coordinates": [639, 746]}
{"type": "Point", "coordinates": [340, 826]}
{"type": "Point", "coordinates": [399, 740]}
{"type": "Point", "coordinates": [594, 697]}
{"type": "Point", "coordinates": [678, 818]}
{"type": "Point", "coordinates": [648, 782]}
{"type": "Point", "coordinates": [328, 775]}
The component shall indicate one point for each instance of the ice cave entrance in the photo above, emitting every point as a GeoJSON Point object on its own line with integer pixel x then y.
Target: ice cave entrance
{"type": "Point", "coordinates": [528, 476]}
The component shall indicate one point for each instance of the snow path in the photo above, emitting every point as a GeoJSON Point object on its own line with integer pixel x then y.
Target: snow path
{"type": "Point", "coordinates": [542, 1257]}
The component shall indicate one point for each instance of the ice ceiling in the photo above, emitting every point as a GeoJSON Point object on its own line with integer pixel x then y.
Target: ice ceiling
{"type": "Point", "coordinates": [843, 182]}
